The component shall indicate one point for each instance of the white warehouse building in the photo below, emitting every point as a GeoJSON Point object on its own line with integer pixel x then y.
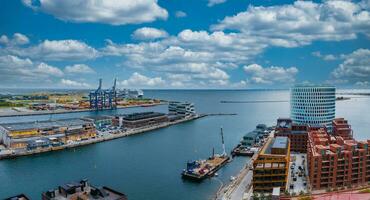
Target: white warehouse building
{"type": "Point", "coordinates": [183, 109]}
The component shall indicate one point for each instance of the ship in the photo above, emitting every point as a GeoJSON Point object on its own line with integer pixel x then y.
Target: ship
{"type": "Point", "coordinates": [200, 169]}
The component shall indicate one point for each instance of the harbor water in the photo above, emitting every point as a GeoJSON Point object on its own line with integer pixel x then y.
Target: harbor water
{"type": "Point", "coordinates": [148, 166]}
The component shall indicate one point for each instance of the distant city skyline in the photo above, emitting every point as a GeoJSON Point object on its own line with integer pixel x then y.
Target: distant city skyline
{"type": "Point", "coordinates": [184, 44]}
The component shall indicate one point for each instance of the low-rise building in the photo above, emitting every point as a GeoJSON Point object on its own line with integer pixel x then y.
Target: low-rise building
{"type": "Point", "coordinates": [270, 169]}
{"type": "Point", "coordinates": [100, 120]}
{"type": "Point", "coordinates": [82, 190]}
{"type": "Point", "coordinates": [183, 109]}
{"type": "Point", "coordinates": [138, 120]}
{"type": "Point", "coordinates": [335, 162]}
{"type": "Point", "coordinates": [40, 133]}
{"type": "Point", "coordinates": [297, 133]}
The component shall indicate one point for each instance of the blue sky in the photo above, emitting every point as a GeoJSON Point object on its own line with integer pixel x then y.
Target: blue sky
{"type": "Point", "coordinates": [184, 43]}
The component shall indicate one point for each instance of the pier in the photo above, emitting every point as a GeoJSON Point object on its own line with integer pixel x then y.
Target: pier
{"type": "Point", "coordinates": [10, 153]}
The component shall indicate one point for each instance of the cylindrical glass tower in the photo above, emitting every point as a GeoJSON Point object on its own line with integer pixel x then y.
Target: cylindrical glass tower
{"type": "Point", "coordinates": [313, 105]}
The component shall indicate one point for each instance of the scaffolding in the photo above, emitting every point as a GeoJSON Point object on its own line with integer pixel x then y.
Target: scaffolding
{"type": "Point", "coordinates": [101, 99]}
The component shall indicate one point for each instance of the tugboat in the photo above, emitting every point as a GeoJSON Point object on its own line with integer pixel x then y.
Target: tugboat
{"type": "Point", "coordinates": [201, 169]}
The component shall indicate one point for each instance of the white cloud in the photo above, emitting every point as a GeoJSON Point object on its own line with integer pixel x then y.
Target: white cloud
{"type": "Point", "coordinates": [139, 80]}
{"type": "Point", "coordinates": [20, 39]}
{"type": "Point", "coordinates": [107, 11]}
{"type": "Point", "coordinates": [44, 68]}
{"type": "Point", "coordinates": [362, 83]}
{"type": "Point", "coordinates": [17, 39]}
{"type": "Point", "coordinates": [270, 75]}
{"type": "Point", "coordinates": [4, 40]}
{"type": "Point", "coordinates": [300, 23]}
{"type": "Point", "coordinates": [328, 57]}
{"type": "Point", "coordinates": [56, 50]}
{"type": "Point", "coordinates": [79, 69]}
{"type": "Point", "coordinates": [180, 14]}
{"type": "Point", "coordinates": [72, 83]}
{"type": "Point", "coordinates": [214, 2]}
{"type": "Point", "coordinates": [355, 68]}
{"type": "Point", "coordinates": [148, 33]}
{"type": "Point", "coordinates": [17, 70]}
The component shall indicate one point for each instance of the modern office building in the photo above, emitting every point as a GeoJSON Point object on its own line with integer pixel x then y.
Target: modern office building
{"type": "Point", "coordinates": [335, 162]}
{"type": "Point", "coordinates": [183, 109]}
{"type": "Point", "coordinates": [313, 105]}
{"type": "Point", "coordinates": [270, 169]}
{"type": "Point", "coordinates": [138, 120]}
{"type": "Point", "coordinates": [297, 133]}
{"type": "Point", "coordinates": [45, 133]}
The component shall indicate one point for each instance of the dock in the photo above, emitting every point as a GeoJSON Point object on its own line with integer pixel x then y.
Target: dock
{"type": "Point", "coordinates": [14, 153]}
{"type": "Point", "coordinates": [199, 170]}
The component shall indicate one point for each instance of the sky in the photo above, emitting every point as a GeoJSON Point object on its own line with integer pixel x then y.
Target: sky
{"type": "Point", "coordinates": [184, 44]}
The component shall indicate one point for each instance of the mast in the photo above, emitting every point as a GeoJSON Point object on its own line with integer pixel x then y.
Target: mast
{"type": "Point", "coordinates": [223, 143]}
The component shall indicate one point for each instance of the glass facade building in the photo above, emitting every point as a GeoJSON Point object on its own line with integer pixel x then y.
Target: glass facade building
{"type": "Point", "coordinates": [313, 105]}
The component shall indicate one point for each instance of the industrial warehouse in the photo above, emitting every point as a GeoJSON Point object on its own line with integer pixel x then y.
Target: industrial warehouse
{"type": "Point", "coordinates": [45, 133]}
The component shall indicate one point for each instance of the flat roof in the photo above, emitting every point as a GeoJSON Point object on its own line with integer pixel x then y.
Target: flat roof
{"type": "Point", "coordinates": [43, 124]}
{"type": "Point", "coordinates": [275, 143]}
{"type": "Point", "coordinates": [142, 115]}
{"type": "Point", "coordinates": [280, 142]}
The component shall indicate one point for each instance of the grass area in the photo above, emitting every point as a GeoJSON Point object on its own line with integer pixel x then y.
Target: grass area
{"type": "Point", "coordinates": [367, 190]}
{"type": "Point", "coordinates": [5, 104]}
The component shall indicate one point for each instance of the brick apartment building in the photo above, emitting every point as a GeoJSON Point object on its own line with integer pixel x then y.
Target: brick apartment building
{"type": "Point", "coordinates": [342, 128]}
{"type": "Point", "coordinates": [297, 133]}
{"type": "Point", "coordinates": [337, 160]}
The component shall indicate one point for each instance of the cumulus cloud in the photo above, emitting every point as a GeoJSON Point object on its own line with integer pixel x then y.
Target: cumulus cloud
{"type": "Point", "coordinates": [270, 75]}
{"type": "Point", "coordinates": [17, 70]}
{"type": "Point", "coordinates": [300, 23]}
{"type": "Point", "coordinates": [148, 33]}
{"type": "Point", "coordinates": [355, 68]}
{"type": "Point", "coordinates": [72, 83]}
{"type": "Point", "coordinates": [107, 11]}
{"type": "Point", "coordinates": [44, 68]}
{"type": "Point", "coordinates": [139, 80]}
{"type": "Point", "coordinates": [56, 50]}
{"type": "Point", "coordinates": [214, 2]}
{"type": "Point", "coordinates": [328, 57]}
{"type": "Point", "coordinates": [79, 69]}
{"type": "Point", "coordinates": [180, 14]}
{"type": "Point", "coordinates": [17, 39]}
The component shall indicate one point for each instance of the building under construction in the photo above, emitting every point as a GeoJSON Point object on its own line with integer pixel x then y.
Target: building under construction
{"type": "Point", "coordinates": [103, 99]}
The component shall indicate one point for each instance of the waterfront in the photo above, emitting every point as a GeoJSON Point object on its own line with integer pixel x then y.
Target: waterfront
{"type": "Point", "coordinates": [148, 166]}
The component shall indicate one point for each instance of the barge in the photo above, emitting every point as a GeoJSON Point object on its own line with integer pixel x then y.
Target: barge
{"type": "Point", "coordinates": [241, 150]}
{"type": "Point", "coordinates": [200, 169]}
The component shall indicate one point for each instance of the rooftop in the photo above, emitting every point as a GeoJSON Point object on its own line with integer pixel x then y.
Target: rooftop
{"type": "Point", "coordinates": [83, 190]}
{"type": "Point", "coordinates": [142, 115]}
{"type": "Point", "coordinates": [18, 197]}
{"type": "Point", "coordinates": [43, 124]}
{"type": "Point", "coordinates": [280, 142]}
